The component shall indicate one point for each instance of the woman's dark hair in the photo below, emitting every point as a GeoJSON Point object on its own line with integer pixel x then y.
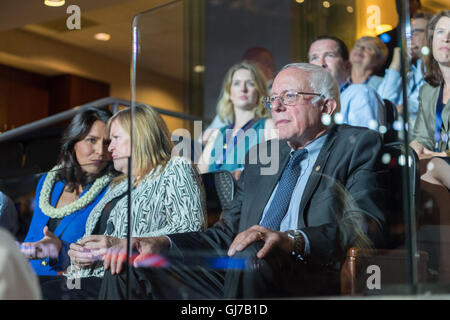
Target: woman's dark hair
{"type": "Point", "coordinates": [430, 67]}
{"type": "Point", "coordinates": [77, 130]}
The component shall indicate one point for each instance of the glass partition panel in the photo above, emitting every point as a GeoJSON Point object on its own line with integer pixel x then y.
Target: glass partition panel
{"type": "Point", "coordinates": [358, 218]}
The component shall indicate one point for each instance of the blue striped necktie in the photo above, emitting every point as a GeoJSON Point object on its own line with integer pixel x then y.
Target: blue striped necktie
{"type": "Point", "coordinates": [282, 197]}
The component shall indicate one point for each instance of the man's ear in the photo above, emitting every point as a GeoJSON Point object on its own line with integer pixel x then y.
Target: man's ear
{"type": "Point", "coordinates": [348, 68]}
{"type": "Point", "coordinates": [329, 106]}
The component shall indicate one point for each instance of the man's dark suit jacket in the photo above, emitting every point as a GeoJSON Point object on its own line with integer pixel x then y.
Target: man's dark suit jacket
{"type": "Point", "coordinates": [343, 199]}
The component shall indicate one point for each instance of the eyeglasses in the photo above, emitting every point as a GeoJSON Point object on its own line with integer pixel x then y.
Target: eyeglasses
{"type": "Point", "coordinates": [288, 98]}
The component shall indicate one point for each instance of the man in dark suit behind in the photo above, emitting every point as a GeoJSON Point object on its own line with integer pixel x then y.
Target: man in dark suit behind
{"type": "Point", "coordinates": [335, 202]}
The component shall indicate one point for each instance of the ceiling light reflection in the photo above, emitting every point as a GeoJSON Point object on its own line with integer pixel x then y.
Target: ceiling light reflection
{"type": "Point", "coordinates": [54, 3]}
{"type": "Point", "coordinates": [102, 36]}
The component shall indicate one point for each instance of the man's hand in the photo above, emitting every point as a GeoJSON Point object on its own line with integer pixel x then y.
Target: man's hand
{"type": "Point", "coordinates": [116, 255]}
{"type": "Point", "coordinates": [148, 247]}
{"type": "Point", "coordinates": [48, 247]}
{"type": "Point", "coordinates": [271, 240]}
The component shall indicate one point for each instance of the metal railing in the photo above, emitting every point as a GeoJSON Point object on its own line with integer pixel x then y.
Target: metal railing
{"type": "Point", "coordinates": [69, 114]}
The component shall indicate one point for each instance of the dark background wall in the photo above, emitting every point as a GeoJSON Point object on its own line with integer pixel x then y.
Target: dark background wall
{"type": "Point", "coordinates": [26, 96]}
{"type": "Point", "coordinates": [231, 27]}
{"type": "Point", "coordinates": [23, 97]}
{"type": "Point", "coordinates": [68, 90]}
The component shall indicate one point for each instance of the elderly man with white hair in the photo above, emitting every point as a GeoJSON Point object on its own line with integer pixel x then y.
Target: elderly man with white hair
{"type": "Point", "coordinates": [287, 230]}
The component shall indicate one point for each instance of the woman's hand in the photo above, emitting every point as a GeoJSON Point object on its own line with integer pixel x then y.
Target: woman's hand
{"type": "Point", "coordinates": [80, 256]}
{"type": "Point", "coordinates": [428, 154]}
{"type": "Point", "coordinates": [48, 247]}
{"type": "Point", "coordinates": [395, 62]}
{"type": "Point", "coordinates": [236, 174]}
{"type": "Point", "coordinates": [91, 249]}
{"type": "Point", "coordinates": [424, 153]}
{"type": "Point", "coordinates": [418, 148]}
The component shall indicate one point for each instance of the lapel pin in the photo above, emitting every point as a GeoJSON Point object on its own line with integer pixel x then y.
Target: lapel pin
{"type": "Point", "coordinates": [317, 168]}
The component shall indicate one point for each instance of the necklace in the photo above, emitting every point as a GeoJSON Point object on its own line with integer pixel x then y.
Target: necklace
{"type": "Point", "coordinates": [87, 198]}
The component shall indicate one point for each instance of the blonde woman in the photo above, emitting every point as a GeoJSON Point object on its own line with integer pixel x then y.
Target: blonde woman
{"type": "Point", "coordinates": [166, 198]}
{"type": "Point", "coordinates": [241, 101]}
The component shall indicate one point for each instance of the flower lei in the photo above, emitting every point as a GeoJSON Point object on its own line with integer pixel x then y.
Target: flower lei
{"type": "Point", "coordinates": [88, 197]}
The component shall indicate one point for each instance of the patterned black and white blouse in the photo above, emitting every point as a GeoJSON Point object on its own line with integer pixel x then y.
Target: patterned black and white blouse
{"type": "Point", "coordinates": [171, 201]}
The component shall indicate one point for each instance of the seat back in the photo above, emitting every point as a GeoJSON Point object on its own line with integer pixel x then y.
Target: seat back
{"type": "Point", "coordinates": [391, 134]}
{"type": "Point", "coordinates": [396, 149]}
{"type": "Point", "coordinates": [358, 273]}
{"type": "Point", "coordinates": [219, 190]}
{"type": "Point", "coordinates": [395, 219]}
{"type": "Point", "coordinates": [392, 262]}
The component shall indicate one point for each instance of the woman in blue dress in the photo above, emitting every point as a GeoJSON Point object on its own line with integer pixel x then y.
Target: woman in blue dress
{"type": "Point", "coordinates": [66, 194]}
{"type": "Point", "coordinates": [240, 103]}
